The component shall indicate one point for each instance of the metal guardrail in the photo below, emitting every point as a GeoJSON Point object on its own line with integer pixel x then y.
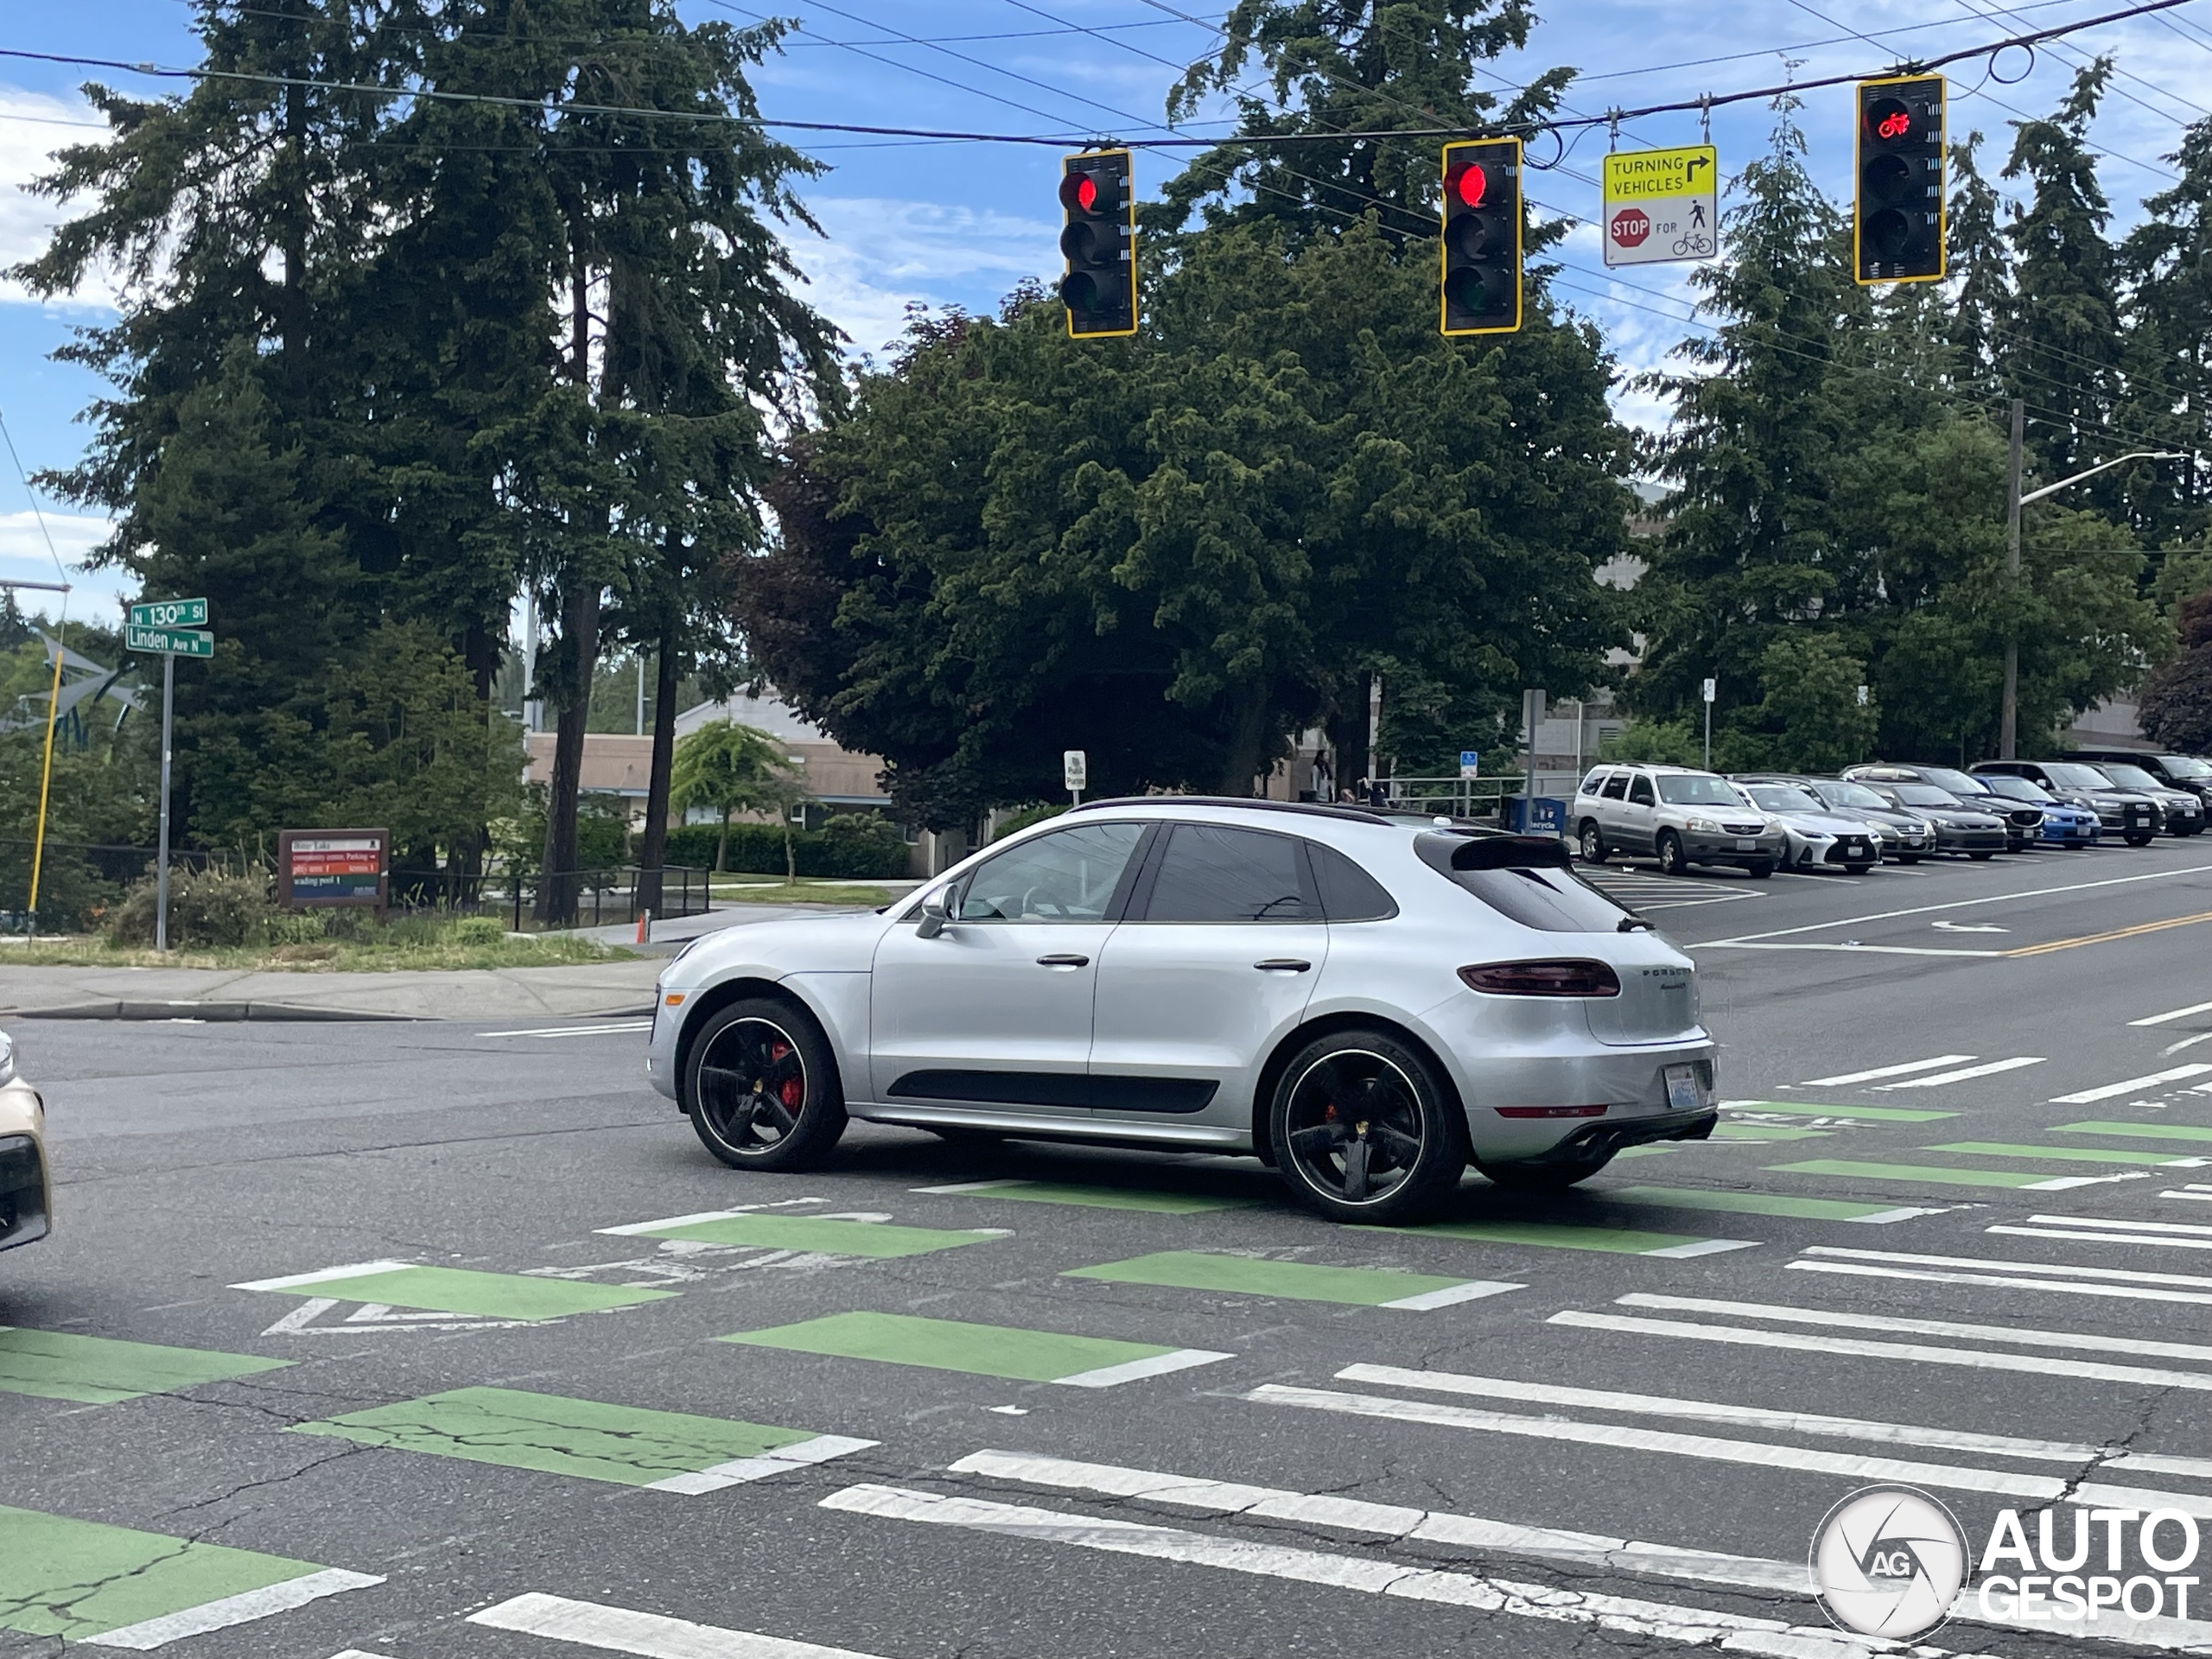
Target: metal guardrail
{"type": "Point", "coordinates": [593, 898]}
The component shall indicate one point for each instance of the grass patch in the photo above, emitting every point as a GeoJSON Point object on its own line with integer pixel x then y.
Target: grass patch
{"type": "Point", "coordinates": [323, 957]}
{"type": "Point", "coordinates": [803, 893]}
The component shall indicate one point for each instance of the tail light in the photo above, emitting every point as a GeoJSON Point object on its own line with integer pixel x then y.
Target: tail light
{"type": "Point", "coordinates": [1571, 978]}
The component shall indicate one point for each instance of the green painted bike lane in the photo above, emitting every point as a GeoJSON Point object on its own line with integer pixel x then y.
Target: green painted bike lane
{"type": "Point", "coordinates": [998, 1351]}
{"type": "Point", "coordinates": [455, 1290]}
{"type": "Point", "coordinates": [821, 1234]}
{"type": "Point", "coordinates": [99, 1370]}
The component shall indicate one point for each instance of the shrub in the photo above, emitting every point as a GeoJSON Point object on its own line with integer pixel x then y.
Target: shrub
{"type": "Point", "coordinates": [1028, 816]}
{"type": "Point", "coordinates": [206, 907]}
{"type": "Point", "coordinates": [288, 927]}
{"type": "Point", "coordinates": [860, 846]}
{"type": "Point", "coordinates": [476, 930]}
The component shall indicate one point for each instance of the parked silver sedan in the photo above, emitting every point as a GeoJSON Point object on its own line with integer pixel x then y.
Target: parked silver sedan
{"type": "Point", "coordinates": [1819, 836]}
{"type": "Point", "coordinates": [1367, 1004]}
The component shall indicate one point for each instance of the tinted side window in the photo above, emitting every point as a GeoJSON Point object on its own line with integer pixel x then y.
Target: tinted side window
{"type": "Point", "coordinates": [1639, 792]}
{"type": "Point", "coordinates": [1348, 893]}
{"type": "Point", "coordinates": [1617, 786]}
{"type": "Point", "coordinates": [1590, 784]}
{"type": "Point", "coordinates": [1211, 873]}
{"type": "Point", "coordinates": [1067, 876]}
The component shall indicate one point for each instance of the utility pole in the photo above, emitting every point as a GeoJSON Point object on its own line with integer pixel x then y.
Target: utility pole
{"type": "Point", "coordinates": [2009, 721]}
{"type": "Point", "coordinates": [161, 857]}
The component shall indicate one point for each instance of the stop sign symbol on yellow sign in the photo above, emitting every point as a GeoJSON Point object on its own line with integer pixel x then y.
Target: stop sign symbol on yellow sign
{"type": "Point", "coordinates": [1662, 205]}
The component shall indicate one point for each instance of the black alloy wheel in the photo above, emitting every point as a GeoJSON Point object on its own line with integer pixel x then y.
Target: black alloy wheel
{"type": "Point", "coordinates": [1363, 1130]}
{"type": "Point", "coordinates": [762, 1086]}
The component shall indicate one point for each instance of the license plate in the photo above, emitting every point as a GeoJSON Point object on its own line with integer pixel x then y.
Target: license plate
{"type": "Point", "coordinates": [1746, 846]}
{"type": "Point", "coordinates": [1683, 1093]}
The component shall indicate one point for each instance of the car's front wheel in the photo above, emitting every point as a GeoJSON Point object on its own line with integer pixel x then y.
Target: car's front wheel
{"type": "Point", "coordinates": [1364, 1129]}
{"type": "Point", "coordinates": [1592, 843]}
{"type": "Point", "coordinates": [1672, 860]}
{"type": "Point", "coordinates": [2139, 839]}
{"type": "Point", "coordinates": [1760, 869]}
{"type": "Point", "coordinates": [1982, 856]}
{"type": "Point", "coordinates": [762, 1087]}
{"type": "Point", "coordinates": [1545, 1178]}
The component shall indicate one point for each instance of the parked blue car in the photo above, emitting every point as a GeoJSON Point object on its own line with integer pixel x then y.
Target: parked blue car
{"type": "Point", "coordinates": [2063, 825]}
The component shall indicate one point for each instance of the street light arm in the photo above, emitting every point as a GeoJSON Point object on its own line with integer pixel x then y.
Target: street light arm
{"type": "Point", "coordinates": [2118, 460]}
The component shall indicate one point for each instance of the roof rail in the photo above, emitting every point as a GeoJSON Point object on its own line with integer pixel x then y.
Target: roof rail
{"type": "Point", "coordinates": [1308, 809]}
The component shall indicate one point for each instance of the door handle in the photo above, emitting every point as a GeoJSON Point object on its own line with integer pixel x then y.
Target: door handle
{"type": "Point", "coordinates": [1283, 965]}
{"type": "Point", "coordinates": [1069, 961]}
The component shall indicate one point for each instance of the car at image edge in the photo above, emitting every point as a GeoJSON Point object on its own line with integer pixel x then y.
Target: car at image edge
{"type": "Point", "coordinates": [1368, 1005]}
{"type": "Point", "coordinates": [25, 1188]}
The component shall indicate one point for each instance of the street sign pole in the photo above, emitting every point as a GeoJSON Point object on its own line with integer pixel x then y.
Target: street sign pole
{"type": "Point", "coordinates": [1708, 688]}
{"type": "Point", "coordinates": [161, 871]}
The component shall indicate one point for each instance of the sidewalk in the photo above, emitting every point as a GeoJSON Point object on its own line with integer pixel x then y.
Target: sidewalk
{"type": "Point", "coordinates": [524, 995]}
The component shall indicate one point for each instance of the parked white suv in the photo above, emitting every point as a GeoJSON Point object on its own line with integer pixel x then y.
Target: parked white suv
{"type": "Point", "coordinates": [1675, 815]}
{"type": "Point", "coordinates": [1365, 1002]}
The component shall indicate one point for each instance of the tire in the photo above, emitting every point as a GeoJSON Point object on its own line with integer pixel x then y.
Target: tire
{"type": "Point", "coordinates": [1909, 858]}
{"type": "Point", "coordinates": [1760, 871]}
{"type": "Point", "coordinates": [2139, 839]}
{"type": "Point", "coordinates": [1857, 869]}
{"type": "Point", "coordinates": [1314, 1120]}
{"type": "Point", "coordinates": [1543, 1178]}
{"type": "Point", "coordinates": [1592, 842]}
{"type": "Point", "coordinates": [1984, 855]}
{"type": "Point", "coordinates": [1671, 859]}
{"type": "Point", "coordinates": [793, 1110]}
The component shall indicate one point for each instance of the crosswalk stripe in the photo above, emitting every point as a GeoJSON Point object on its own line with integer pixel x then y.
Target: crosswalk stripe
{"type": "Point", "coordinates": [1311, 1282]}
{"type": "Point", "coordinates": [979, 1349]}
{"type": "Point", "coordinates": [1867, 1348]}
{"type": "Point", "coordinates": [825, 1234]}
{"type": "Point", "coordinates": [2174, 1013]}
{"type": "Point", "coordinates": [2066, 1154]}
{"type": "Point", "coordinates": [1939, 1175]}
{"type": "Point", "coordinates": [1713, 1411]}
{"type": "Point", "coordinates": [1766, 1454]}
{"type": "Point", "coordinates": [242, 1609]}
{"type": "Point", "coordinates": [652, 1635]}
{"type": "Point", "coordinates": [2103, 1238]}
{"type": "Point", "coordinates": [1967, 1074]}
{"type": "Point", "coordinates": [781, 1460]}
{"type": "Point", "coordinates": [2200, 1193]}
{"type": "Point", "coordinates": [2108, 1092]}
{"type": "Point", "coordinates": [1765, 1203]}
{"type": "Point", "coordinates": [1956, 1276]}
{"type": "Point", "coordinates": [1697, 1626]}
{"type": "Point", "coordinates": [1814, 1108]}
{"type": "Point", "coordinates": [1909, 1067]}
{"type": "Point", "coordinates": [1551, 1235]}
{"type": "Point", "coordinates": [2124, 1275]}
{"type": "Point", "coordinates": [2179, 1229]}
{"type": "Point", "coordinates": [2019, 1336]}
{"type": "Point", "coordinates": [1386, 1520]}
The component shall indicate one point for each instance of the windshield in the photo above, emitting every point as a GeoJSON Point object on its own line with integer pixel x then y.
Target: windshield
{"type": "Point", "coordinates": [1923, 795]}
{"type": "Point", "coordinates": [1849, 794]}
{"type": "Point", "coordinates": [2019, 789]}
{"type": "Point", "coordinates": [1783, 798]}
{"type": "Point", "coordinates": [2184, 766]}
{"type": "Point", "coordinates": [1961, 784]}
{"type": "Point", "coordinates": [1695, 790]}
{"type": "Point", "coordinates": [2067, 775]}
{"type": "Point", "coordinates": [2129, 777]}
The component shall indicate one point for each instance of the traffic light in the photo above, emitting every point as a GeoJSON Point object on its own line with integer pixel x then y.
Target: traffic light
{"type": "Point", "coordinates": [1482, 236]}
{"type": "Point", "coordinates": [1897, 222]}
{"type": "Point", "coordinates": [1100, 243]}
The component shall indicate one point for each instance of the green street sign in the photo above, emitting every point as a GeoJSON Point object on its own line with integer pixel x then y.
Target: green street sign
{"type": "Point", "coordinates": [174, 642]}
{"type": "Point", "coordinates": [170, 614]}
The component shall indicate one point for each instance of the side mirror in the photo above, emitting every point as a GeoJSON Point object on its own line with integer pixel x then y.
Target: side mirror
{"type": "Point", "coordinates": [933, 920]}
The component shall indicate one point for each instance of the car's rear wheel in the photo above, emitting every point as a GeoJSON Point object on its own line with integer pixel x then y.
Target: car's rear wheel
{"type": "Point", "coordinates": [1592, 843]}
{"type": "Point", "coordinates": [1545, 1178]}
{"type": "Point", "coordinates": [1672, 860]}
{"type": "Point", "coordinates": [1364, 1130]}
{"type": "Point", "coordinates": [762, 1086]}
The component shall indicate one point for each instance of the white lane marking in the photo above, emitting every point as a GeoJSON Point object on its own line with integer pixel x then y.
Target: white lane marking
{"type": "Point", "coordinates": [360, 1653]}
{"type": "Point", "coordinates": [1968, 927]}
{"type": "Point", "coordinates": [302, 1316]}
{"type": "Point", "coordinates": [1107, 1377]}
{"type": "Point", "coordinates": [2067, 1183]}
{"type": "Point", "coordinates": [2104, 1238]}
{"type": "Point", "coordinates": [1865, 1348]}
{"type": "Point", "coordinates": [1948, 1276]}
{"type": "Point", "coordinates": [2180, 1229]}
{"type": "Point", "coordinates": [1766, 1454]}
{"type": "Point", "coordinates": [1962, 904]}
{"type": "Point", "coordinates": [1909, 1067]}
{"type": "Point", "coordinates": [1714, 1411]}
{"type": "Point", "coordinates": [1848, 950]}
{"type": "Point", "coordinates": [241, 1609]}
{"type": "Point", "coordinates": [2019, 1336]}
{"type": "Point", "coordinates": [653, 1636]}
{"type": "Point", "coordinates": [1883, 1217]}
{"type": "Point", "coordinates": [635, 1228]}
{"type": "Point", "coordinates": [1728, 1632]}
{"type": "Point", "coordinates": [1387, 1520]}
{"type": "Point", "coordinates": [780, 1461]}
{"type": "Point", "coordinates": [1703, 1247]}
{"type": "Point", "coordinates": [1986, 1069]}
{"type": "Point", "coordinates": [2106, 1091]}
{"type": "Point", "coordinates": [2200, 1192]}
{"type": "Point", "coordinates": [1985, 1264]}
{"type": "Point", "coordinates": [574, 1031]}
{"type": "Point", "coordinates": [325, 1275]}
{"type": "Point", "coordinates": [968, 1187]}
{"type": "Point", "coordinates": [1450, 1295]}
{"type": "Point", "coordinates": [2174, 1013]}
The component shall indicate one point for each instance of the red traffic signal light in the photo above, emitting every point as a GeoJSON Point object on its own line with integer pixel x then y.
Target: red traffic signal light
{"type": "Point", "coordinates": [1897, 207]}
{"type": "Point", "coordinates": [1098, 240]}
{"type": "Point", "coordinates": [1481, 277]}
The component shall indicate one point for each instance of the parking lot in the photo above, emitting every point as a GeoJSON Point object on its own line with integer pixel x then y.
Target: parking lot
{"type": "Point", "coordinates": [425, 1342]}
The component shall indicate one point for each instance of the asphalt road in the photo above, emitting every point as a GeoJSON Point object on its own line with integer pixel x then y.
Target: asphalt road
{"type": "Point", "coordinates": [1029, 1403]}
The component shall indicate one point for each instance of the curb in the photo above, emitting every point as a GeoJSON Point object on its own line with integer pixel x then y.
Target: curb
{"type": "Point", "coordinates": [208, 1011]}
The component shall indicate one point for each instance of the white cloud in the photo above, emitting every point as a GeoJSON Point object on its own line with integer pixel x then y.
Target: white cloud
{"type": "Point", "coordinates": [881, 255]}
{"type": "Point", "coordinates": [32, 127]}
{"type": "Point", "coordinates": [23, 557]}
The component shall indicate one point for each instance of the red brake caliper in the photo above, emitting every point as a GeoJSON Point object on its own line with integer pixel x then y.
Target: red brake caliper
{"type": "Point", "coordinates": [791, 1090]}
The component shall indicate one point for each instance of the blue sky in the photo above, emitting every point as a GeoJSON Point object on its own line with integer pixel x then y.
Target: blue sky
{"type": "Point", "coordinates": [946, 223]}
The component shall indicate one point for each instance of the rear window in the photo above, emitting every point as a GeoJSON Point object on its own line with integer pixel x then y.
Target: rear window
{"type": "Point", "coordinates": [1693, 791]}
{"type": "Point", "coordinates": [1548, 897]}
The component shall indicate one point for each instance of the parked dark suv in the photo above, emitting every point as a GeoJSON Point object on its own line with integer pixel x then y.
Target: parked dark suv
{"type": "Point", "coordinates": [2185, 773]}
{"type": "Point", "coordinates": [2136, 818]}
{"type": "Point", "coordinates": [2023, 824]}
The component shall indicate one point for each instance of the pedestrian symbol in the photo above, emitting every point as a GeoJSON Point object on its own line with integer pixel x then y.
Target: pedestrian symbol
{"type": "Point", "coordinates": [1662, 205]}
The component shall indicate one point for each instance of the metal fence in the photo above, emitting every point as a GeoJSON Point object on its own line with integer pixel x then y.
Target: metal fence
{"type": "Point", "coordinates": [587, 898]}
